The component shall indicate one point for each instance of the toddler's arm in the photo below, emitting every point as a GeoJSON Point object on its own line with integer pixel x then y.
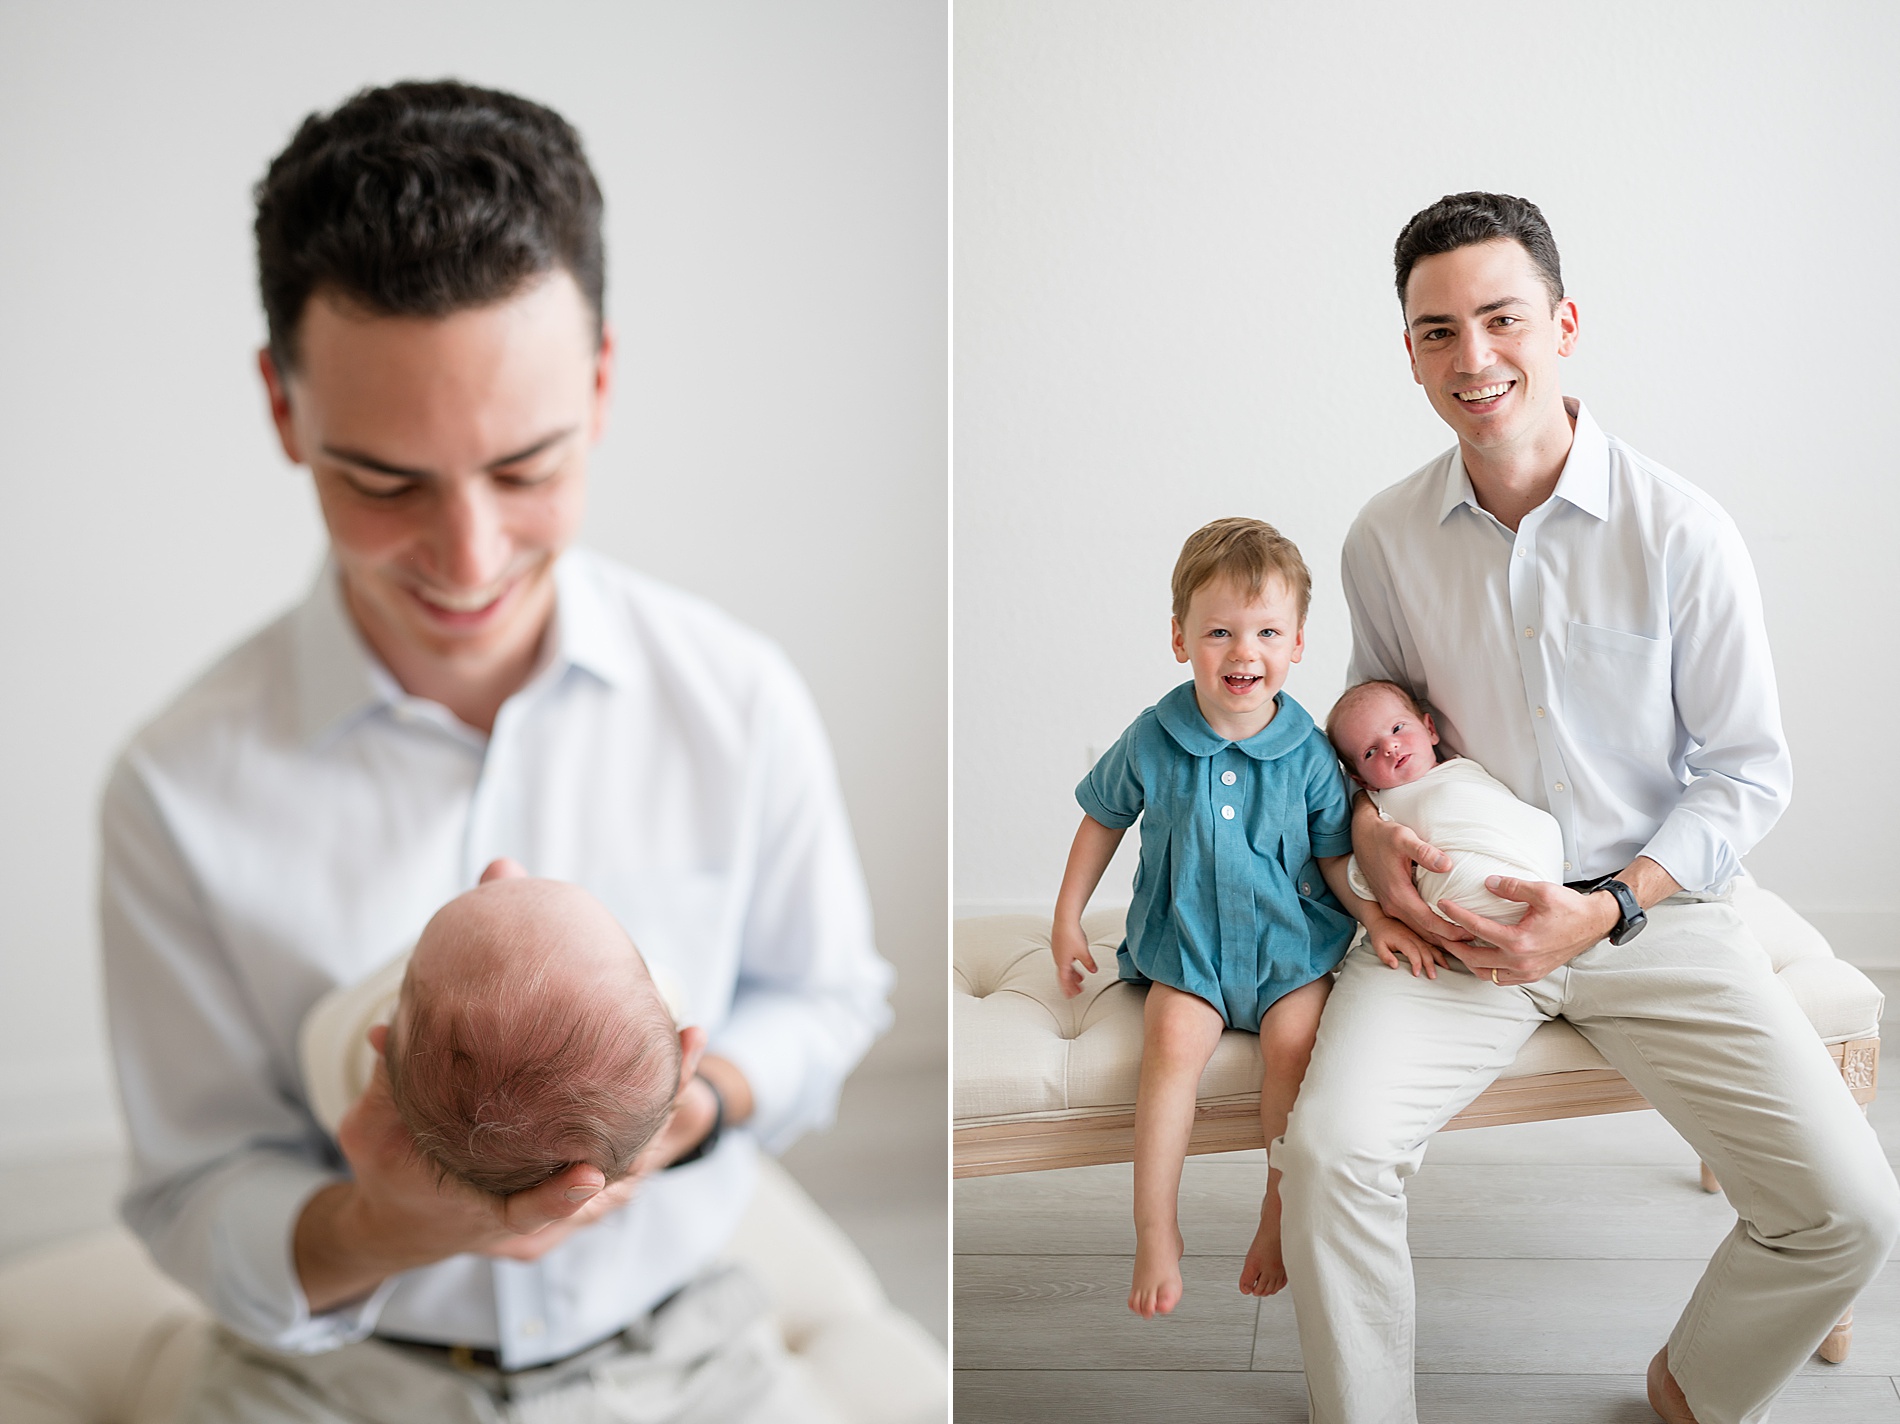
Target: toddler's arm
{"type": "Point", "coordinates": [1391, 939]}
{"type": "Point", "coordinates": [1089, 856]}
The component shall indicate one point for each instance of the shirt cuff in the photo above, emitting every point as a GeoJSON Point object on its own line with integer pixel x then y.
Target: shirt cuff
{"type": "Point", "coordinates": [1330, 846]}
{"type": "Point", "coordinates": [1093, 808]}
{"type": "Point", "coordinates": [1696, 855]}
{"type": "Point", "coordinates": [254, 1285]}
{"type": "Point", "coordinates": [795, 1055]}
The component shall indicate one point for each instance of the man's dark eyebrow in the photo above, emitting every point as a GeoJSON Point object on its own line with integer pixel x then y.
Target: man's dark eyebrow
{"type": "Point", "coordinates": [1485, 310]}
{"type": "Point", "coordinates": [402, 472]}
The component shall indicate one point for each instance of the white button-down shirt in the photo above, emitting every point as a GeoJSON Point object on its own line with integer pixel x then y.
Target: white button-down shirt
{"type": "Point", "coordinates": [293, 820]}
{"type": "Point", "coordinates": [1607, 662]}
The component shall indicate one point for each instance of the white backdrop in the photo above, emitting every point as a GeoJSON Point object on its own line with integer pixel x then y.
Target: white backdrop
{"type": "Point", "coordinates": [1173, 237]}
{"type": "Point", "coordinates": [776, 211]}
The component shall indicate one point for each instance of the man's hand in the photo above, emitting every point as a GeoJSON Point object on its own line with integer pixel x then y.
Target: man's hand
{"type": "Point", "coordinates": [1070, 947]}
{"type": "Point", "coordinates": [1559, 925]}
{"type": "Point", "coordinates": [398, 1212]}
{"type": "Point", "coordinates": [1386, 852]}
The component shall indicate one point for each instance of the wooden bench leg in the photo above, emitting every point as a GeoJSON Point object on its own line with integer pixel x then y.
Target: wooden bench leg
{"type": "Point", "coordinates": [1709, 1184]}
{"type": "Point", "coordinates": [1834, 1348]}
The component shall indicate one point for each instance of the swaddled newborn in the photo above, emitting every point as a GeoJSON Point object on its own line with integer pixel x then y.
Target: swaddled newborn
{"type": "Point", "coordinates": [525, 1034]}
{"type": "Point", "coordinates": [1387, 742]}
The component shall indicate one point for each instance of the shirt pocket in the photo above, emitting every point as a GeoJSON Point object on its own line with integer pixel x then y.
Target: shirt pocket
{"type": "Point", "coordinates": [1618, 693]}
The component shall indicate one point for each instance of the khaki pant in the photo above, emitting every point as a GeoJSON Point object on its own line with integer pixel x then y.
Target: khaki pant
{"type": "Point", "coordinates": [709, 1355]}
{"type": "Point", "coordinates": [1688, 1011]}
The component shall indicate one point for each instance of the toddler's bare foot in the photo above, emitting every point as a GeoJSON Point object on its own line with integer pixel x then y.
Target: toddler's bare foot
{"type": "Point", "coordinates": [1264, 1270]}
{"type": "Point", "coordinates": [1157, 1288]}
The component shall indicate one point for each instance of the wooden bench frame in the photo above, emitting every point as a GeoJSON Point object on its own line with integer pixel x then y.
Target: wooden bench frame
{"type": "Point", "coordinates": [1094, 1136]}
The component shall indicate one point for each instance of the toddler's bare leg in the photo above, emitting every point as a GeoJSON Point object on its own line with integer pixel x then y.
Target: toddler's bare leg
{"type": "Point", "coordinates": [1286, 1043]}
{"type": "Point", "coordinates": [1179, 1032]}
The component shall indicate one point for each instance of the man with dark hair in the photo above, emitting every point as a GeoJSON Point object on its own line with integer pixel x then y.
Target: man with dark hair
{"type": "Point", "coordinates": [1587, 625]}
{"type": "Point", "coordinates": [458, 687]}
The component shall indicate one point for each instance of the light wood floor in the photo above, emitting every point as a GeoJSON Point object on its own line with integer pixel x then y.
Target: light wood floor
{"type": "Point", "coordinates": [1551, 1260]}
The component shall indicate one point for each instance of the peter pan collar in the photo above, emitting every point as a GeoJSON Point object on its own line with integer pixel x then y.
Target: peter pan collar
{"type": "Point", "coordinates": [1180, 715]}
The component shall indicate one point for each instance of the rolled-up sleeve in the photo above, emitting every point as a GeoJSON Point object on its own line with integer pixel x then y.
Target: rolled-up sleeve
{"type": "Point", "coordinates": [1111, 794]}
{"type": "Point", "coordinates": [223, 1158]}
{"type": "Point", "coordinates": [811, 993]}
{"type": "Point", "coordinates": [1741, 774]}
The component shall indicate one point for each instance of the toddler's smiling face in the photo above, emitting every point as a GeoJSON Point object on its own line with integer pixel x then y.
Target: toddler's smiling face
{"type": "Point", "coordinates": [1240, 645]}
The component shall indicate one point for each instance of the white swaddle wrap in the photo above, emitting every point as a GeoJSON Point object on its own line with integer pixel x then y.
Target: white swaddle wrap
{"type": "Point", "coordinates": [1472, 816]}
{"type": "Point", "coordinates": [333, 1044]}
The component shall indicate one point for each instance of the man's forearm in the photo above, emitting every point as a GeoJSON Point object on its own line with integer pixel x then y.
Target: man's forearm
{"type": "Point", "coordinates": [1648, 882]}
{"type": "Point", "coordinates": [334, 1264]}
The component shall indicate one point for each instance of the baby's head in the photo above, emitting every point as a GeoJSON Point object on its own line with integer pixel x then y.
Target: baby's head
{"type": "Point", "coordinates": [1240, 595]}
{"type": "Point", "coordinates": [529, 1036]}
{"type": "Point", "coordinates": [1383, 737]}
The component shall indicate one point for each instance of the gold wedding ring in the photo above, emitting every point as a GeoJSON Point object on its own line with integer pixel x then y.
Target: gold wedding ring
{"type": "Point", "coordinates": [1495, 980]}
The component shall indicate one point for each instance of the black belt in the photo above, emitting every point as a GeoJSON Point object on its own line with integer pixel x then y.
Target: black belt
{"type": "Point", "coordinates": [479, 1357]}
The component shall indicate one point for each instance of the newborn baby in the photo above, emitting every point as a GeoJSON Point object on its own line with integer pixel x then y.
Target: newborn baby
{"type": "Point", "coordinates": [1388, 745]}
{"type": "Point", "coordinates": [525, 1034]}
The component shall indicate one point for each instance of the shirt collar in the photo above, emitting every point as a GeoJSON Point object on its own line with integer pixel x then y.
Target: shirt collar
{"type": "Point", "coordinates": [1180, 715]}
{"type": "Point", "coordinates": [339, 679]}
{"type": "Point", "coordinates": [1584, 482]}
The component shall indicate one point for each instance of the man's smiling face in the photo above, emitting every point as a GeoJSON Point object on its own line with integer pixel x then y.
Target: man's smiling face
{"type": "Point", "coordinates": [1485, 342]}
{"type": "Point", "coordinates": [450, 460]}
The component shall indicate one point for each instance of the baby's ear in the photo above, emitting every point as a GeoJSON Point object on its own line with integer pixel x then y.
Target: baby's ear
{"type": "Point", "coordinates": [378, 1035]}
{"type": "Point", "coordinates": [692, 1049]}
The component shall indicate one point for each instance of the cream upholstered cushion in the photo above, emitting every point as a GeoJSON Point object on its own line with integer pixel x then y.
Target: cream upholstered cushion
{"type": "Point", "coordinates": [1024, 1051]}
{"type": "Point", "coordinates": [92, 1333]}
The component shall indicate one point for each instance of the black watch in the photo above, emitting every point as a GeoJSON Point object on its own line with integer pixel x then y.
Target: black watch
{"type": "Point", "coordinates": [711, 1139]}
{"type": "Point", "coordinates": [1631, 920]}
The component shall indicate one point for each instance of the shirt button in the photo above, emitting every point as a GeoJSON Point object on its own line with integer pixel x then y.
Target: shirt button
{"type": "Point", "coordinates": [1227, 813]}
{"type": "Point", "coordinates": [1566, 865]}
{"type": "Point", "coordinates": [1520, 553]}
{"type": "Point", "coordinates": [532, 1327]}
{"type": "Point", "coordinates": [1227, 778]}
{"type": "Point", "coordinates": [1529, 634]}
{"type": "Point", "coordinates": [1540, 711]}
{"type": "Point", "coordinates": [1306, 887]}
{"type": "Point", "coordinates": [1560, 786]}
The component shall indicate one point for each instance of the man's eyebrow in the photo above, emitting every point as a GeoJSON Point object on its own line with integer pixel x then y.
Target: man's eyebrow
{"type": "Point", "coordinates": [384, 467]}
{"type": "Point", "coordinates": [1485, 310]}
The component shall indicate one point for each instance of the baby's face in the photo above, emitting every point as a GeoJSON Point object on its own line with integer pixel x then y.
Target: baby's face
{"type": "Point", "coordinates": [1383, 742]}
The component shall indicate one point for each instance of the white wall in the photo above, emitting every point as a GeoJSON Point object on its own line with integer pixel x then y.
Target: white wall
{"type": "Point", "coordinates": [776, 227]}
{"type": "Point", "coordinates": [1173, 237]}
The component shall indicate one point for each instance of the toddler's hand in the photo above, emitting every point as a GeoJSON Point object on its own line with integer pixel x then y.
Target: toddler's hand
{"type": "Point", "coordinates": [1071, 947]}
{"type": "Point", "coordinates": [1393, 941]}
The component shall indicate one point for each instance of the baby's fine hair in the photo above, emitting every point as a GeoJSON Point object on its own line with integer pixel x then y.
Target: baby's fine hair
{"type": "Point", "coordinates": [1244, 550]}
{"type": "Point", "coordinates": [1357, 693]}
{"type": "Point", "coordinates": [504, 1086]}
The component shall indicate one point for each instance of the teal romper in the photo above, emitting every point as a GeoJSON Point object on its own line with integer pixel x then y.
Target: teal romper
{"type": "Point", "coordinates": [1228, 903]}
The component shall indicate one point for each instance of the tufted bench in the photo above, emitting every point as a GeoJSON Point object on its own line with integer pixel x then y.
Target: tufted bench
{"type": "Point", "coordinates": [1043, 1081]}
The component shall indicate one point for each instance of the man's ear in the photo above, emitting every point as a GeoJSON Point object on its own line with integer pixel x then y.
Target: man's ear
{"type": "Point", "coordinates": [378, 1036]}
{"type": "Point", "coordinates": [1568, 328]}
{"type": "Point", "coordinates": [277, 389]}
{"type": "Point", "coordinates": [1179, 641]}
{"type": "Point", "coordinates": [1411, 357]}
{"type": "Point", "coordinates": [692, 1049]}
{"type": "Point", "coordinates": [603, 380]}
